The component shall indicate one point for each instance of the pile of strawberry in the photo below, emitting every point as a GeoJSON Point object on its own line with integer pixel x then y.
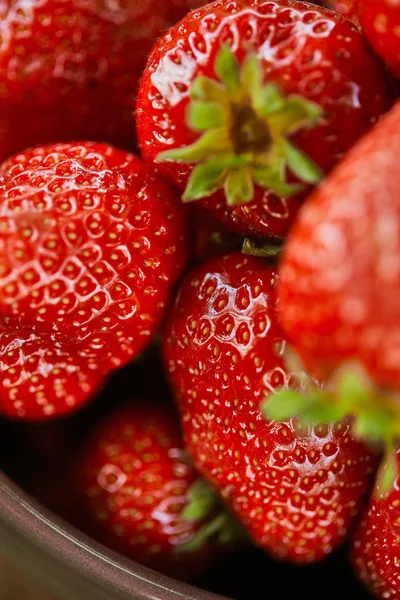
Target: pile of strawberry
{"type": "Point", "coordinates": [234, 207]}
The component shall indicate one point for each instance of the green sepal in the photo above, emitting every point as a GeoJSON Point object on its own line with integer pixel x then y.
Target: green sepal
{"type": "Point", "coordinates": [214, 108]}
{"type": "Point", "coordinates": [300, 165]}
{"type": "Point", "coordinates": [202, 501]}
{"type": "Point", "coordinates": [372, 424]}
{"type": "Point", "coordinates": [228, 70]}
{"type": "Point", "coordinates": [204, 180]}
{"type": "Point", "coordinates": [284, 405]}
{"type": "Point", "coordinates": [296, 113]}
{"type": "Point", "coordinates": [388, 474]}
{"type": "Point", "coordinates": [239, 188]}
{"type": "Point", "coordinates": [272, 177]}
{"type": "Point", "coordinates": [268, 100]}
{"type": "Point", "coordinates": [205, 89]}
{"type": "Point", "coordinates": [223, 530]}
{"type": "Point", "coordinates": [206, 115]}
{"type": "Point", "coordinates": [252, 76]}
{"type": "Point", "coordinates": [261, 248]}
{"type": "Point", "coordinates": [209, 143]}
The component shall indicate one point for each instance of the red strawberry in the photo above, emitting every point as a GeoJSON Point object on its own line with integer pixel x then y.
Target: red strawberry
{"type": "Point", "coordinates": [267, 83]}
{"type": "Point", "coordinates": [380, 21]}
{"type": "Point", "coordinates": [139, 494]}
{"type": "Point", "coordinates": [347, 8]}
{"type": "Point", "coordinates": [340, 278]}
{"type": "Point", "coordinates": [69, 69]}
{"type": "Point", "coordinates": [376, 550]}
{"type": "Point", "coordinates": [91, 241]}
{"type": "Point", "coordinates": [296, 490]}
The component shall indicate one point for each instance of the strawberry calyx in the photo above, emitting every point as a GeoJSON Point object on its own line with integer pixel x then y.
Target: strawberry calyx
{"type": "Point", "coordinates": [349, 392]}
{"type": "Point", "coordinates": [222, 528]}
{"type": "Point", "coordinates": [245, 125]}
{"type": "Point", "coordinates": [262, 248]}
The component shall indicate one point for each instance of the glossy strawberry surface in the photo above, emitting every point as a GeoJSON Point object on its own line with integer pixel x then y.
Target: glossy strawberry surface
{"type": "Point", "coordinates": [340, 276]}
{"type": "Point", "coordinates": [347, 8]}
{"type": "Point", "coordinates": [133, 482]}
{"type": "Point", "coordinates": [376, 549]}
{"type": "Point", "coordinates": [296, 490]}
{"type": "Point", "coordinates": [380, 21]}
{"type": "Point", "coordinates": [69, 69]}
{"type": "Point", "coordinates": [304, 49]}
{"type": "Point", "coordinates": [91, 241]}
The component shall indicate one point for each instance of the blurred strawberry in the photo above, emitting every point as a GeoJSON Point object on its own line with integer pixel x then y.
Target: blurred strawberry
{"type": "Point", "coordinates": [380, 21]}
{"type": "Point", "coordinates": [138, 494]}
{"type": "Point", "coordinates": [69, 69]}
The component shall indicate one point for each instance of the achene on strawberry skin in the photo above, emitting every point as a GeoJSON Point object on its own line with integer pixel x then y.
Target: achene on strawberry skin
{"type": "Point", "coordinates": [297, 490]}
{"type": "Point", "coordinates": [375, 549]}
{"type": "Point", "coordinates": [136, 491]}
{"type": "Point", "coordinates": [91, 242]}
{"type": "Point", "coordinates": [246, 104]}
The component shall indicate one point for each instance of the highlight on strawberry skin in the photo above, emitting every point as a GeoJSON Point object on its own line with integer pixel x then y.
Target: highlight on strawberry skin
{"type": "Point", "coordinates": [91, 243]}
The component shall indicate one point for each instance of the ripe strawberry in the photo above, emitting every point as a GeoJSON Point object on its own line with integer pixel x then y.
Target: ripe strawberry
{"type": "Point", "coordinates": [139, 494]}
{"type": "Point", "coordinates": [340, 277]}
{"type": "Point", "coordinates": [69, 69]}
{"type": "Point", "coordinates": [296, 490]}
{"type": "Point", "coordinates": [91, 241]}
{"type": "Point", "coordinates": [347, 8]}
{"type": "Point", "coordinates": [380, 21]}
{"type": "Point", "coordinates": [267, 84]}
{"type": "Point", "coordinates": [376, 550]}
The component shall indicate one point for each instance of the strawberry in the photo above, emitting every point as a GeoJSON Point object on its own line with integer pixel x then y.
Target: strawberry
{"type": "Point", "coordinates": [380, 21]}
{"type": "Point", "coordinates": [69, 69]}
{"type": "Point", "coordinates": [340, 280]}
{"type": "Point", "coordinates": [139, 494]}
{"type": "Point", "coordinates": [91, 241]}
{"type": "Point", "coordinates": [258, 98]}
{"type": "Point", "coordinates": [296, 490]}
{"type": "Point", "coordinates": [376, 551]}
{"type": "Point", "coordinates": [347, 8]}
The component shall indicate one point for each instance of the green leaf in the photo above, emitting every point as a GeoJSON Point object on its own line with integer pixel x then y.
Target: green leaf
{"type": "Point", "coordinates": [227, 69]}
{"type": "Point", "coordinates": [206, 115]}
{"type": "Point", "coordinates": [207, 90]}
{"type": "Point", "coordinates": [301, 166]}
{"type": "Point", "coordinates": [252, 76]}
{"type": "Point", "coordinates": [284, 405]}
{"type": "Point", "coordinates": [268, 100]}
{"type": "Point", "coordinates": [239, 188]}
{"type": "Point", "coordinates": [205, 180]}
{"type": "Point", "coordinates": [207, 145]}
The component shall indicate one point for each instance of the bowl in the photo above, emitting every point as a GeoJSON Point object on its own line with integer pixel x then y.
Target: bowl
{"type": "Point", "coordinates": [69, 564]}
